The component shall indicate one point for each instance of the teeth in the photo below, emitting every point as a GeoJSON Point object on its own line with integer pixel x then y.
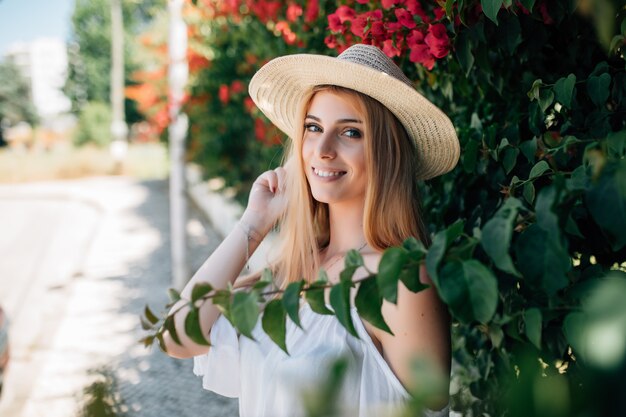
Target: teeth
{"type": "Point", "coordinates": [326, 173]}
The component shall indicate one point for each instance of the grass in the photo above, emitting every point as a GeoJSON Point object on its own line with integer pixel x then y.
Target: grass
{"type": "Point", "coordinates": [143, 161]}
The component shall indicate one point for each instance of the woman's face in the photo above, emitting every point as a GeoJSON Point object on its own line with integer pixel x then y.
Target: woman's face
{"type": "Point", "coordinates": [333, 148]}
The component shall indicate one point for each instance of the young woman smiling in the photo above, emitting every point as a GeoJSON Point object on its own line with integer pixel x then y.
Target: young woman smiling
{"type": "Point", "coordinates": [361, 139]}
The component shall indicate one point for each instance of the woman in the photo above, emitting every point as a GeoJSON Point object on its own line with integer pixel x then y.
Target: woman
{"type": "Point", "coordinates": [361, 138]}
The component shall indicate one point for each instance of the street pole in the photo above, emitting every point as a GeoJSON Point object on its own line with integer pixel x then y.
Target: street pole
{"type": "Point", "coordinates": [119, 130]}
{"type": "Point", "coordinates": [178, 74]}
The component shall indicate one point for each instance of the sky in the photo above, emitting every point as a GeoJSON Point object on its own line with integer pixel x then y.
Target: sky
{"type": "Point", "coordinates": [26, 20]}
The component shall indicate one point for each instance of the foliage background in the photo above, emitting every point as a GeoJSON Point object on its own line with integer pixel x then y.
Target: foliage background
{"type": "Point", "coordinates": [529, 231]}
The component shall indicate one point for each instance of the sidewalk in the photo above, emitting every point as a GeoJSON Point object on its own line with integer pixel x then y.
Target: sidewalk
{"type": "Point", "coordinates": [126, 267]}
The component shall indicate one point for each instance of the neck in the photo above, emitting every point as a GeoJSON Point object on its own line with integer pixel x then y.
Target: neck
{"type": "Point", "coordinates": [346, 227]}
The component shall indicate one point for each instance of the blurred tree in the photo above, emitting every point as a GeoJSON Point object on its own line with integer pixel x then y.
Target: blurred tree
{"type": "Point", "coordinates": [15, 102]}
{"type": "Point", "coordinates": [90, 50]}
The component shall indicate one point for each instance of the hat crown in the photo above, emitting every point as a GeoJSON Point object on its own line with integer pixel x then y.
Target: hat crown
{"type": "Point", "coordinates": [372, 57]}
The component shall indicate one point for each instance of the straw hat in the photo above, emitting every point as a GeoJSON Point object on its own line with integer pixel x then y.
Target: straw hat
{"type": "Point", "coordinates": [280, 85]}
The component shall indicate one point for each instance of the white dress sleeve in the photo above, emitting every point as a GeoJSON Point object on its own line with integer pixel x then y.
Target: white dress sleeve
{"type": "Point", "coordinates": [219, 368]}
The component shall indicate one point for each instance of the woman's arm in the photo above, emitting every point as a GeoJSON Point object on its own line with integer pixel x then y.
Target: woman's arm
{"type": "Point", "coordinates": [265, 205]}
{"type": "Point", "coordinates": [421, 325]}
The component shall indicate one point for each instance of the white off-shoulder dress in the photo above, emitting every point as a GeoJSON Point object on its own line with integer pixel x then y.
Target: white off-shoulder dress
{"type": "Point", "coordinates": [269, 383]}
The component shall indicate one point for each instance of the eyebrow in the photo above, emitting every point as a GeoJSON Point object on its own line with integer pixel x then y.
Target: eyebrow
{"type": "Point", "coordinates": [309, 116]}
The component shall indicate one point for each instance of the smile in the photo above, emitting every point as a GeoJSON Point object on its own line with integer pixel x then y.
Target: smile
{"type": "Point", "coordinates": [327, 174]}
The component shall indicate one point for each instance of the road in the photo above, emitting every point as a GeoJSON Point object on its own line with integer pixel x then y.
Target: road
{"type": "Point", "coordinates": [79, 260]}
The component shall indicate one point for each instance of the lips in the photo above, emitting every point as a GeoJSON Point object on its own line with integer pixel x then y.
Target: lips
{"type": "Point", "coordinates": [327, 173]}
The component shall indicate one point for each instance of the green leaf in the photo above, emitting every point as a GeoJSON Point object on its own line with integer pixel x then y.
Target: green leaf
{"type": "Point", "coordinates": [539, 168]}
{"type": "Point", "coordinates": [454, 231]}
{"type": "Point", "coordinates": [347, 273]}
{"type": "Point", "coordinates": [616, 144]}
{"type": "Point", "coordinates": [528, 4]}
{"type": "Point", "coordinates": [542, 259]}
{"type": "Point", "coordinates": [464, 54]}
{"type": "Point", "coordinates": [192, 327]}
{"type": "Point", "coordinates": [267, 275]}
{"type": "Point", "coordinates": [152, 318]}
{"type": "Point", "coordinates": [491, 9]}
{"type": "Point", "coordinates": [470, 156]}
{"type": "Point", "coordinates": [315, 297]}
{"type": "Point", "coordinates": [147, 341]}
{"type": "Point", "coordinates": [145, 324]}
{"type": "Point", "coordinates": [173, 295]}
{"type": "Point", "coordinates": [607, 203]}
{"type": "Point", "coordinates": [368, 303]}
{"type": "Point", "coordinates": [260, 285]}
{"type": "Point", "coordinates": [529, 192]}
{"type": "Point", "coordinates": [529, 149]}
{"type": "Point", "coordinates": [245, 312]}
{"type": "Point", "coordinates": [291, 301]}
{"type": "Point", "coordinates": [435, 255]}
{"type": "Point", "coordinates": [598, 89]}
{"type": "Point", "coordinates": [413, 245]}
{"type": "Point", "coordinates": [532, 322]}
{"type": "Point", "coordinates": [199, 290]}
{"type": "Point", "coordinates": [170, 326]}
{"type": "Point", "coordinates": [546, 98]}
{"type": "Point", "coordinates": [354, 258]}
{"type": "Point", "coordinates": [389, 269]}
{"type": "Point", "coordinates": [322, 276]}
{"type": "Point", "coordinates": [274, 323]}
{"type": "Point", "coordinates": [470, 290]}
{"type": "Point", "coordinates": [497, 234]}
{"type": "Point", "coordinates": [221, 299]}
{"type": "Point", "coordinates": [410, 277]}
{"type": "Point", "coordinates": [535, 89]}
{"type": "Point", "coordinates": [510, 158]}
{"type": "Point", "coordinates": [340, 301]}
{"type": "Point", "coordinates": [564, 90]}
{"type": "Point", "coordinates": [496, 335]}
{"type": "Point", "coordinates": [512, 33]}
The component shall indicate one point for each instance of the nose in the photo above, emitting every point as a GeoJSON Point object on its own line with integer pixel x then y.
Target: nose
{"type": "Point", "coordinates": [325, 147]}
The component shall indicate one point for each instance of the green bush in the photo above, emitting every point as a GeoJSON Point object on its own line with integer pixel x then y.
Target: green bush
{"type": "Point", "coordinates": [94, 125]}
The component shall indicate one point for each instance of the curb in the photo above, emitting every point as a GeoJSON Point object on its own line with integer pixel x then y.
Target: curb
{"type": "Point", "coordinates": [223, 212]}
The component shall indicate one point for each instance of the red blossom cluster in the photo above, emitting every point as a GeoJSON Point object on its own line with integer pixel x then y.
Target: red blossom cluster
{"type": "Point", "coordinates": [398, 27]}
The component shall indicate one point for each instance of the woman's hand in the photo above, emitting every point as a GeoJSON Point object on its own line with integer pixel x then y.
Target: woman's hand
{"type": "Point", "coordinates": [267, 200]}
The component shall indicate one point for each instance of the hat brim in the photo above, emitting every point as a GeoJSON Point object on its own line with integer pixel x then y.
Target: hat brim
{"type": "Point", "coordinates": [280, 85]}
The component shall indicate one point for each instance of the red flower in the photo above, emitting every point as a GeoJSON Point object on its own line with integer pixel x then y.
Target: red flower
{"type": "Point", "coordinates": [545, 16]}
{"type": "Point", "coordinates": [387, 4]}
{"type": "Point", "coordinates": [248, 104]}
{"type": "Point", "coordinates": [415, 37]}
{"type": "Point", "coordinates": [389, 48]}
{"type": "Point", "coordinates": [312, 11]}
{"type": "Point", "coordinates": [362, 1]}
{"type": "Point", "coordinates": [393, 26]}
{"type": "Point", "coordinates": [345, 13]}
{"type": "Point", "coordinates": [236, 87]}
{"type": "Point", "coordinates": [334, 23]}
{"type": "Point", "coordinates": [439, 13]}
{"type": "Point", "coordinates": [378, 29]}
{"type": "Point", "coordinates": [293, 12]}
{"type": "Point", "coordinates": [421, 55]}
{"type": "Point", "coordinates": [224, 94]}
{"type": "Point", "coordinates": [357, 26]}
{"type": "Point", "coordinates": [415, 8]}
{"type": "Point", "coordinates": [405, 18]}
{"type": "Point", "coordinates": [331, 41]}
{"type": "Point", "coordinates": [259, 129]}
{"type": "Point", "coordinates": [437, 40]}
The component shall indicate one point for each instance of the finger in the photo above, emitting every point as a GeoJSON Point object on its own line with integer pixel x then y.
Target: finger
{"type": "Point", "coordinates": [281, 176]}
{"type": "Point", "coordinates": [272, 181]}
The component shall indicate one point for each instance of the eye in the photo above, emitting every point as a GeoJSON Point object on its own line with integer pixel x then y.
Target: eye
{"type": "Point", "coordinates": [312, 127]}
{"type": "Point", "coordinates": [352, 133]}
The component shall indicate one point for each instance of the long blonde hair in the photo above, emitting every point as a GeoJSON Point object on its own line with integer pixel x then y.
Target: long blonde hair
{"type": "Point", "coordinates": [392, 209]}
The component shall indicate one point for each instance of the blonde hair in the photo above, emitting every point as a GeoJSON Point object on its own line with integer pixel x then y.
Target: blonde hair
{"type": "Point", "coordinates": [392, 190]}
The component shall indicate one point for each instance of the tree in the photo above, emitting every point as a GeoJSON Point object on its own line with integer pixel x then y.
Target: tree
{"type": "Point", "coordinates": [15, 102]}
{"type": "Point", "coordinates": [90, 49]}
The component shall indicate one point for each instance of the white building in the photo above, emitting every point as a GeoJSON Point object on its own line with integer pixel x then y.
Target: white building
{"type": "Point", "coordinates": [43, 62]}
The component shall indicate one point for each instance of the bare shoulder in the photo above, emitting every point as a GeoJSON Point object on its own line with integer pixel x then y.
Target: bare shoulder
{"type": "Point", "coordinates": [421, 329]}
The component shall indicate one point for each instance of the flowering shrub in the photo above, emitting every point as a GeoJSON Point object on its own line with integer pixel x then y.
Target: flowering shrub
{"type": "Point", "coordinates": [529, 231]}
